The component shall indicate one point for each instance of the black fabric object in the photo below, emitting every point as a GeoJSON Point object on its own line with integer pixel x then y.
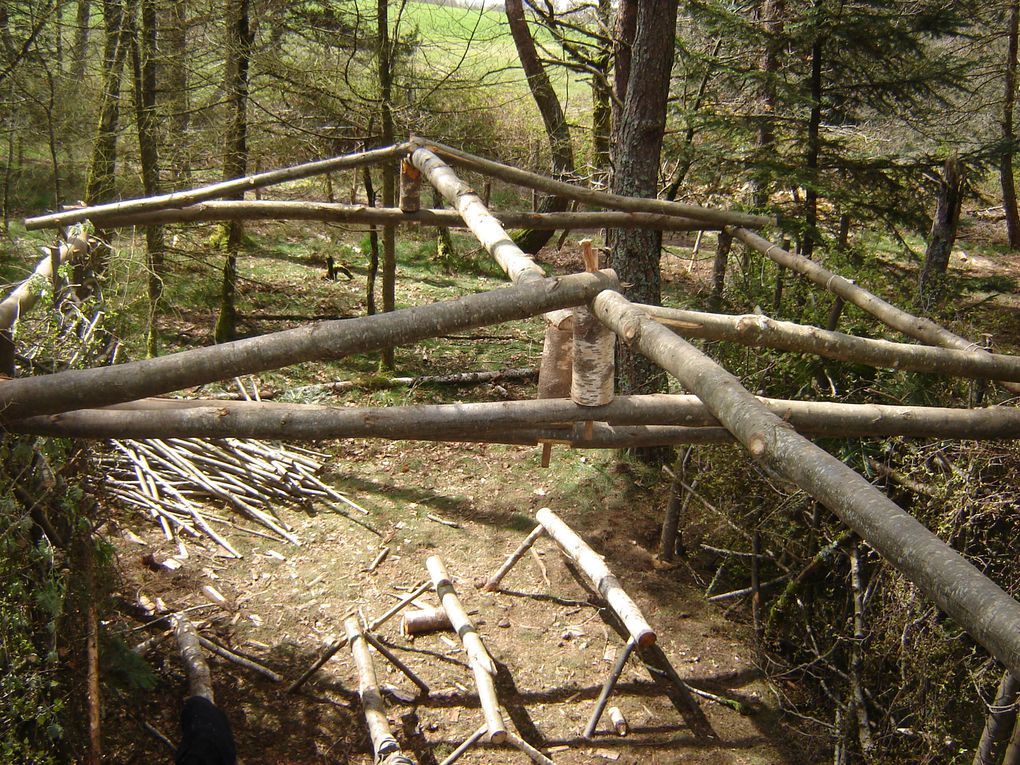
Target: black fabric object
{"type": "Point", "coordinates": [206, 738]}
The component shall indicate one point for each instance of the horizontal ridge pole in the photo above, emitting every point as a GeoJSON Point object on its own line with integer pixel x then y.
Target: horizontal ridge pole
{"type": "Point", "coordinates": [669, 418]}
{"type": "Point", "coordinates": [330, 212]}
{"type": "Point", "coordinates": [89, 388]}
{"type": "Point", "coordinates": [977, 604]}
{"type": "Point", "coordinates": [221, 189]}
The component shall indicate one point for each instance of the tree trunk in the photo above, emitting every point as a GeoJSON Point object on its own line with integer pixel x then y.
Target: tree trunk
{"type": "Point", "coordinates": [239, 40]}
{"type": "Point", "coordinates": [99, 186]}
{"type": "Point", "coordinates": [814, 141]}
{"type": "Point", "coordinates": [373, 247]}
{"type": "Point", "coordinates": [178, 103]}
{"type": "Point", "coordinates": [556, 128]}
{"type": "Point", "coordinates": [79, 56]}
{"type": "Point", "coordinates": [772, 15]}
{"type": "Point", "coordinates": [602, 101]}
{"type": "Point", "coordinates": [389, 193]}
{"type": "Point", "coordinates": [949, 202]}
{"type": "Point", "coordinates": [639, 133]}
{"type": "Point", "coordinates": [999, 722]}
{"type": "Point", "coordinates": [143, 54]}
{"type": "Point", "coordinates": [722, 254]}
{"type": "Point", "coordinates": [1009, 203]}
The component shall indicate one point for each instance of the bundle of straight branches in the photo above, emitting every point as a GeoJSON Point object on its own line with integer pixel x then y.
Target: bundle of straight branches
{"type": "Point", "coordinates": [176, 480]}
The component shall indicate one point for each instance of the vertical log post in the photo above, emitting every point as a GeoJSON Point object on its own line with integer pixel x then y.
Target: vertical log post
{"type": "Point", "coordinates": [999, 724]}
{"type": "Point", "coordinates": [554, 373]}
{"type": "Point", "coordinates": [410, 187]}
{"type": "Point", "coordinates": [479, 659]}
{"type": "Point", "coordinates": [593, 370]}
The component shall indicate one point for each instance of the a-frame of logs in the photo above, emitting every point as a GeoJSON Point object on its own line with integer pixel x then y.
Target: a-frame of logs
{"type": "Point", "coordinates": [116, 401]}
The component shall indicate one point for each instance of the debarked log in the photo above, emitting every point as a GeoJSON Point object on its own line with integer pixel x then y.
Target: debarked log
{"type": "Point", "coordinates": [602, 579]}
{"type": "Point", "coordinates": [88, 388]}
{"type": "Point", "coordinates": [977, 604]}
{"type": "Point", "coordinates": [758, 331]}
{"type": "Point", "coordinates": [372, 704]}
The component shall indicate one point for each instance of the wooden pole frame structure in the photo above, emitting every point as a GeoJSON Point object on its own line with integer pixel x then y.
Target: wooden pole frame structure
{"type": "Point", "coordinates": [984, 610]}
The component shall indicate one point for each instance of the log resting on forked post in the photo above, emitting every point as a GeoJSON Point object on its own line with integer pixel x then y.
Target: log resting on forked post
{"type": "Point", "coordinates": [978, 605]}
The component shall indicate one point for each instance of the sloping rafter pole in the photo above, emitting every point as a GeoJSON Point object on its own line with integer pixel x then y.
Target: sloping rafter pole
{"type": "Point", "coordinates": [982, 608]}
{"type": "Point", "coordinates": [916, 327]}
{"type": "Point", "coordinates": [586, 195]}
{"type": "Point", "coordinates": [216, 190]}
{"type": "Point", "coordinates": [209, 418]}
{"type": "Point", "coordinates": [88, 388]}
{"type": "Point", "coordinates": [758, 331]}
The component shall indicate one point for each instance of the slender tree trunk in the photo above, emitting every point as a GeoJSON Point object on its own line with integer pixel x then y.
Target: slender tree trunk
{"type": "Point", "coordinates": [389, 187]}
{"type": "Point", "coordinates": [143, 56]}
{"type": "Point", "coordinates": [556, 128]}
{"type": "Point", "coordinates": [176, 82]}
{"type": "Point", "coordinates": [639, 134]}
{"type": "Point", "coordinates": [239, 42]}
{"type": "Point", "coordinates": [813, 143]}
{"type": "Point", "coordinates": [943, 235]}
{"type": "Point", "coordinates": [602, 101]}
{"type": "Point", "coordinates": [1006, 178]}
{"type": "Point", "coordinates": [772, 15]}
{"type": "Point", "coordinates": [373, 247]}
{"type": "Point", "coordinates": [79, 56]}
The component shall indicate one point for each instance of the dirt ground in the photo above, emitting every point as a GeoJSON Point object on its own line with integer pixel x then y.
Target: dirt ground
{"type": "Point", "coordinates": [470, 505]}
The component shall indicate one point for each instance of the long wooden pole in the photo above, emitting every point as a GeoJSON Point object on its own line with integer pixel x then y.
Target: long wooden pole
{"type": "Point", "coordinates": [481, 663]}
{"type": "Point", "coordinates": [658, 414]}
{"type": "Point", "coordinates": [328, 212]}
{"type": "Point", "coordinates": [24, 297]}
{"type": "Point", "coordinates": [604, 581]}
{"type": "Point", "coordinates": [982, 608]}
{"type": "Point", "coordinates": [47, 394]}
{"type": "Point", "coordinates": [758, 331]}
{"type": "Point", "coordinates": [221, 189]}
{"type": "Point", "coordinates": [589, 196]}
{"type": "Point", "coordinates": [372, 704]}
{"type": "Point", "coordinates": [916, 327]}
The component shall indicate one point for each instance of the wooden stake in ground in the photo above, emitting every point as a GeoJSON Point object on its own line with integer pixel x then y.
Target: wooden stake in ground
{"type": "Point", "coordinates": [593, 368]}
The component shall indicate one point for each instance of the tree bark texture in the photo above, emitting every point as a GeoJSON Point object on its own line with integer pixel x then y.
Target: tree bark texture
{"type": "Point", "coordinates": [949, 202]}
{"type": "Point", "coordinates": [324, 340]}
{"type": "Point", "coordinates": [989, 614]}
{"type": "Point", "coordinates": [773, 13]}
{"type": "Point", "coordinates": [100, 183]}
{"type": "Point", "coordinates": [639, 133]}
{"type": "Point", "coordinates": [389, 238]}
{"type": "Point", "coordinates": [999, 723]}
{"type": "Point", "coordinates": [556, 127]}
{"type": "Point", "coordinates": [659, 416]}
{"type": "Point", "coordinates": [1006, 177]}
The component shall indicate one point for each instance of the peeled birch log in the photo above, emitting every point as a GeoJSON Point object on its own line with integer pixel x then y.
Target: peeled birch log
{"type": "Point", "coordinates": [24, 297]}
{"type": "Point", "coordinates": [221, 189]}
{"type": "Point", "coordinates": [331, 212]}
{"type": "Point", "coordinates": [595, 568]}
{"type": "Point", "coordinates": [424, 620]}
{"type": "Point", "coordinates": [193, 658]}
{"type": "Point", "coordinates": [756, 330]}
{"type": "Point", "coordinates": [916, 327]}
{"type": "Point", "coordinates": [554, 374]}
{"type": "Point", "coordinates": [78, 389]}
{"type": "Point", "coordinates": [208, 418]}
{"type": "Point", "coordinates": [410, 187]}
{"type": "Point", "coordinates": [372, 704]}
{"type": "Point", "coordinates": [593, 368]}
{"type": "Point", "coordinates": [978, 605]}
{"type": "Point", "coordinates": [479, 659]}
{"type": "Point", "coordinates": [589, 196]}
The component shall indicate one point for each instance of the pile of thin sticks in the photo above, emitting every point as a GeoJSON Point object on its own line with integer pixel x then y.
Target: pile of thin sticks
{"type": "Point", "coordinates": [175, 480]}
